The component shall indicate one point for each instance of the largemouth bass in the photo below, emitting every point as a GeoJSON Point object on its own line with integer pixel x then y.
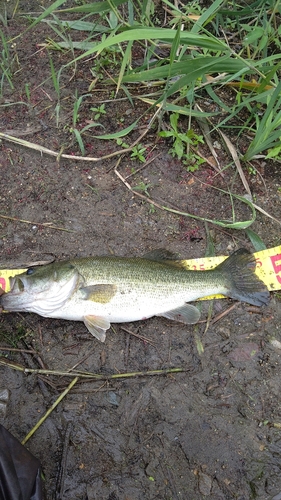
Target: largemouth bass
{"type": "Point", "coordinates": [104, 290]}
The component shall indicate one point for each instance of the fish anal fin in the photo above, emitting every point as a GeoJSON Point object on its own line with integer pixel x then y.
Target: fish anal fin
{"type": "Point", "coordinates": [97, 326]}
{"type": "Point", "coordinates": [187, 314]}
{"type": "Point", "coordinates": [101, 293]}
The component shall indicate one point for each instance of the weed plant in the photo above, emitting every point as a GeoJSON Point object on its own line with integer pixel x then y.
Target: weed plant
{"type": "Point", "coordinates": [187, 59]}
{"type": "Point", "coordinates": [6, 61]}
{"type": "Point", "coordinates": [188, 53]}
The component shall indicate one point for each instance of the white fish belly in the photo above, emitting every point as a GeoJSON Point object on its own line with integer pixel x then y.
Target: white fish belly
{"type": "Point", "coordinates": [129, 305]}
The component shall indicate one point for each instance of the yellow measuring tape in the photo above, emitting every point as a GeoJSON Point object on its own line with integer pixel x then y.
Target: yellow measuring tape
{"type": "Point", "coordinates": [268, 268]}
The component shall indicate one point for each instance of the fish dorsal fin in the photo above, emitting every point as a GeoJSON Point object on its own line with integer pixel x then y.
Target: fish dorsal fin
{"type": "Point", "coordinates": [101, 293]}
{"type": "Point", "coordinates": [97, 326]}
{"type": "Point", "coordinates": [187, 314]}
{"type": "Point", "coordinates": [165, 257]}
{"type": "Point", "coordinates": [160, 255]}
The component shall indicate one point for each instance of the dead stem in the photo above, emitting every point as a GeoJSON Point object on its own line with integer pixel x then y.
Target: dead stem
{"type": "Point", "coordinates": [44, 224]}
{"type": "Point", "coordinates": [179, 212]}
{"type": "Point", "coordinates": [89, 375]}
{"type": "Point", "coordinates": [49, 411]}
{"type": "Point", "coordinates": [59, 155]}
{"type": "Point", "coordinates": [224, 313]}
{"type": "Point", "coordinates": [82, 359]}
{"type": "Point", "coordinates": [143, 166]}
{"type": "Point", "coordinates": [153, 202]}
{"type": "Point", "coordinates": [13, 349]}
{"type": "Point", "coordinates": [141, 337]}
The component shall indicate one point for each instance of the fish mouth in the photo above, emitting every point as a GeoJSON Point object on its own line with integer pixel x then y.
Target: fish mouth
{"type": "Point", "coordinates": [16, 285]}
{"type": "Point", "coordinates": [42, 296]}
{"type": "Point", "coordinates": [17, 296]}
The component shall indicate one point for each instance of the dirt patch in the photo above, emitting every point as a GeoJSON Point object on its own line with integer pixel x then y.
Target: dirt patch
{"type": "Point", "coordinates": [210, 432]}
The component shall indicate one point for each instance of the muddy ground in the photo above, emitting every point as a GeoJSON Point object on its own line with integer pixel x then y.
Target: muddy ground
{"type": "Point", "coordinates": [210, 432]}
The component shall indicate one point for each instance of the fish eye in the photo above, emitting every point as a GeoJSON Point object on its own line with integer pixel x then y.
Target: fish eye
{"type": "Point", "coordinates": [29, 271]}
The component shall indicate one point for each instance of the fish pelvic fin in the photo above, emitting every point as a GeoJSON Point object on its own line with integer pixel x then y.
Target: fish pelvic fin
{"type": "Point", "coordinates": [242, 282]}
{"type": "Point", "coordinates": [187, 314]}
{"type": "Point", "coordinates": [97, 326]}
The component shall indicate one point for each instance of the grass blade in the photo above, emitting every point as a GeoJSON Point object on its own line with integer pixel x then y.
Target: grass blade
{"type": "Point", "coordinates": [117, 135]}
{"type": "Point", "coordinates": [126, 61]}
{"type": "Point", "coordinates": [207, 16]}
{"type": "Point", "coordinates": [188, 67]}
{"type": "Point", "coordinates": [46, 13]}
{"type": "Point", "coordinates": [163, 34]}
{"type": "Point", "coordinates": [268, 130]}
{"type": "Point", "coordinates": [94, 8]}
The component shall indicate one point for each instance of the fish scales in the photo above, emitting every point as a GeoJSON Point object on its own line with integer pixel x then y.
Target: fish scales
{"type": "Point", "coordinates": [146, 286]}
{"type": "Point", "coordinates": [101, 290]}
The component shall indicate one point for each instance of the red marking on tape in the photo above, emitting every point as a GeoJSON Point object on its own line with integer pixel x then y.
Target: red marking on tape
{"type": "Point", "coordinates": [3, 284]}
{"type": "Point", "coordinates": [277, 267]}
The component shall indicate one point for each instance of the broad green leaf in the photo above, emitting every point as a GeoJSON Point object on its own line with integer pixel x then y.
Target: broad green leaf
{"type": "Point", "coordinates": [253, 35]}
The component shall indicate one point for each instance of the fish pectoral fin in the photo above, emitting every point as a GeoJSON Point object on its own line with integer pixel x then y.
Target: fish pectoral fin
{"type": "Point", "coordinates": [97, 326]}
{"type": "Point", "coordinates": [101, 293]}
{"type": "Point", "coordinates": [187, 314]}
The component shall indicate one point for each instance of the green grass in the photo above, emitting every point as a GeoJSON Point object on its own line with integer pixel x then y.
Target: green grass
{"type": "Point", "coordinates": [196, 49]}
{"type": "Point", "coordinates": [198, 54]}
{"type": "Point", "coordinates": [6, 61]}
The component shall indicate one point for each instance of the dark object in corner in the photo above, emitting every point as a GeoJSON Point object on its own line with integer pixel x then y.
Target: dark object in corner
{"type": "Point", "coordinates": [20, 471]}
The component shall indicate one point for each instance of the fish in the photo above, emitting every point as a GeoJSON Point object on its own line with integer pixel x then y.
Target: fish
{"type": "Point", "coordinates": [110, 289]}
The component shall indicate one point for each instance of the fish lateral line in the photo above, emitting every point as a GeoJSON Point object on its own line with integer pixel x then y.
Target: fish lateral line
{"type": "Point", "coordinates": [105, 290]}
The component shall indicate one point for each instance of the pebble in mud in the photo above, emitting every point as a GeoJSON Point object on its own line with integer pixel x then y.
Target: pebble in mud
{"type": "Point", "coordinates": [204, 484]}
{"type": "Point", "coordinates": [4, 399]}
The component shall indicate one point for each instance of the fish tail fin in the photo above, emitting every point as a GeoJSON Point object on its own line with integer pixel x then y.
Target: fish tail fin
{"type": "Point", "coordinates": [243, 283]}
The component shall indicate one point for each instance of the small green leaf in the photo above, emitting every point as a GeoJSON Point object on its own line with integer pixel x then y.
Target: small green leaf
{"type": "Point", "coordinates": [166, 133]}
{"type": "Point", "coordinates": [254, 35]}
{"type": "Point", "coordinates": [116, 135]}
{"type": "Point", "coordinates": [256, 241]}
{"type": "Point", "coordinates": [79, 140]}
